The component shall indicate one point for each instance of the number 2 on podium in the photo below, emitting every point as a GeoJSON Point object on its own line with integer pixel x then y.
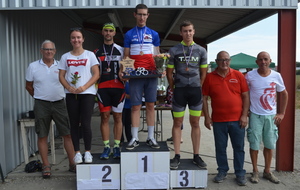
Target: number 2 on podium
{"type": "Point", "coordinates": [145, 162]}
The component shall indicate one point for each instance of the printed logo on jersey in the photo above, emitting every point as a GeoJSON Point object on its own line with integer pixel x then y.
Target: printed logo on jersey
{"type": "Point", "coordinates": [189, 59]}
{"type": "Point", "coordinates": [233, 80]}
{"type": "Point", "coordinates": [76, 63]}
{"type": "Point", "coordinates": [147, 38]}
{"type": "Point", "coordinates": [268, 97]}
{"type": "Point", "coordinates": [134, 38]}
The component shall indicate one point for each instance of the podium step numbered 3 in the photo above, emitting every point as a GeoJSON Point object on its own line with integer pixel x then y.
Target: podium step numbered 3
{"type": "Point", "coordinates": [141, 168]}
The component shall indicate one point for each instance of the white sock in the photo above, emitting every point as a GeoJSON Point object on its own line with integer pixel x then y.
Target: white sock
{"type": "Point", "coordinates": [150, 132]}
{"type": "Point", "coordinates": [134, 133]}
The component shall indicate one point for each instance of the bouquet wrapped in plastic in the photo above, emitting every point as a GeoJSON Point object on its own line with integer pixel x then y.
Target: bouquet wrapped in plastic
{"type": "Point", "coordinates": [161, 61]}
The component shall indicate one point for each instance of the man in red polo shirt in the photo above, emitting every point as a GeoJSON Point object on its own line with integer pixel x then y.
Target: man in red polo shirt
{"type": "Point", "coordinates": [229, 95]}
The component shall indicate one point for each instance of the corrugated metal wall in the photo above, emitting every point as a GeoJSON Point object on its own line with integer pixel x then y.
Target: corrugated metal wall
{"type": "Point", "coordinates": [20, 42]}
{"type": "Point", "coordinates": [54, 4]}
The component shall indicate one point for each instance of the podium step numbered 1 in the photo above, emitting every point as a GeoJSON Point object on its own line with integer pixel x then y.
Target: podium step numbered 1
{"type": "Point", "coordinates": [141, 168]}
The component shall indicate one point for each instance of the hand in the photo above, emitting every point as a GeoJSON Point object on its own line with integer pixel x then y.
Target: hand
{"type": "Point", "coordinates": [121, 74]}
{"type": "Point", "coordinates": [208, 123]}
{"type": "Point", "coordinates": [71, 89]}
{"type": "Point", "coordinates": [79, 90]}
{"type": "Point", "coordinates": [163, 74]}
{"type": "Point", "coordinates": [243, 121]}
{"type": "Point", "coordinates": [278, 118]}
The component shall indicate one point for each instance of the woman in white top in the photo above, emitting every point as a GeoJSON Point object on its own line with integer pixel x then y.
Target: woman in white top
{"type": "Point", "coordinates": [78, 72]}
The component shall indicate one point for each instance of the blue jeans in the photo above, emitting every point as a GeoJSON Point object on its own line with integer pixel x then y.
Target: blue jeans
{"type": "Point", "coordinates": [237, 135]}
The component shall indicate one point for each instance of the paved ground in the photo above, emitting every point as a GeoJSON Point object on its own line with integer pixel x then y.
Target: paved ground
{"type": "Point", "coordinates": [62, 179]}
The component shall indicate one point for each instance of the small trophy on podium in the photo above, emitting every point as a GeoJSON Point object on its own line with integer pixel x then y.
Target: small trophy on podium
{"type": "Point", "coordinates": [128, 66]}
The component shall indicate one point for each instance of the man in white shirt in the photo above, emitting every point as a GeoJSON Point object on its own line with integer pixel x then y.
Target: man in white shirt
{"type": "Point", "coordinates": [43, 85]}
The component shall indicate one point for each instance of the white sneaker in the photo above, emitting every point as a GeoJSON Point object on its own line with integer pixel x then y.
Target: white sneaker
{"type": "Point", "coordinates": [78, 158]}
{"type": "Point", "coordinates": [88, 158]}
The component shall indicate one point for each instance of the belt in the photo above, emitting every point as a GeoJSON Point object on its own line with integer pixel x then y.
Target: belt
{"type": "Point", "coordinates": [50, 101]}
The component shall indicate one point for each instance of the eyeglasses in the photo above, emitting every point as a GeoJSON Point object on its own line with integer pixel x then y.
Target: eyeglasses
{"type": "Point", "coordinates": [48, 49]}
{"type": "Point", "coordinates": [223, 60]}
{"type": "Point", "coordinates": [141, 15]}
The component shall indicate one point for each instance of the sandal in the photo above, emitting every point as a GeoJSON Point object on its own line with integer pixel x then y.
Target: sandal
{"type": "Point", "coordinates": [72, 168]}
{"type": "Point", "coordinates": [46, 173]}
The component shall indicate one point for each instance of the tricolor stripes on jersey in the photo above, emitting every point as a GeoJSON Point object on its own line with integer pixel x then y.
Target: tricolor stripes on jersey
{"type": "Point", "coordinates": [142, 42]}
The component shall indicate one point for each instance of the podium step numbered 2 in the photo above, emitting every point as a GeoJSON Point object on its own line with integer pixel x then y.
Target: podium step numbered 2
{"type": "Point", "coordinates": [141, 168]}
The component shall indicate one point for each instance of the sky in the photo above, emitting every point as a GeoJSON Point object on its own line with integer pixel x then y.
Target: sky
{"type": "Point", "coordinates": [261, 36]}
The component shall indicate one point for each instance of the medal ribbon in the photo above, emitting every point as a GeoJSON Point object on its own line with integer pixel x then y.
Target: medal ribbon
{"type": "Point", "coordinates": [187, 61]}
{"type": "Point", "coordinates": [141, 39]}
{"type": "Point", "coordinates": [108, 60]}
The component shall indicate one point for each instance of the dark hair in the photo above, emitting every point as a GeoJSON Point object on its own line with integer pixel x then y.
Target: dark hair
{"type": "Point", "coordinates": [186, 23]}
{"type": "Point", "coordinates": [77, 29]}
{"type": "Point", "coordinates": [140, 6]}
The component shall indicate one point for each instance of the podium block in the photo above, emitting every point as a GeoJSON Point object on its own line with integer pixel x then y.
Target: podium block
{"type": "Point", "coordinates": [188, 175]}
{"type": "Point", "coordinates": [145, 167]}
{"type": "Point", "coordinates": [101, 174]}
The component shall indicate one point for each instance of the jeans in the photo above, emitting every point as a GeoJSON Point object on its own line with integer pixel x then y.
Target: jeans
{"type": "Point", "coordinates": [237, 135]}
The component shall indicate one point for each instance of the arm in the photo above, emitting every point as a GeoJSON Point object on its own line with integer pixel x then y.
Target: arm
{"type": "Point", "coordinates": [283, 100]}
{"type": "Point", "coordinates": [207, 118]}
{"type": "Point", "coordinates": [170, 78]}
{"type": "Point", "coordinates": [246, 105]}
{"type": "Point", "coordinates": [64, 82]}
{"type": "Point", "coordinates": [203, 72]}
{"type": "Point", "coordinates": [29, 87]}
{"type": "Point", "coordinates": [92, 81]}
{"type": "Point", "coordinates": [126, 52]}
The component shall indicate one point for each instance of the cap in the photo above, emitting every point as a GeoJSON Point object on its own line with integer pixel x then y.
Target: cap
{"type": "Point", "coordinates": [109, 26]}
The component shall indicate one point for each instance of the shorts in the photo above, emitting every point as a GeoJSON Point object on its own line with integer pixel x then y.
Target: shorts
{"type": "Point", "coordinates": [111, 98]}
{"type": "Point", "coordinates": [45, 111]}
{"type": "Point", "coordinates": [140, 87]}
{"type": "Point", "coordinates": [262, 128]}
{"type": "Point", "coordinates": [191, 96]}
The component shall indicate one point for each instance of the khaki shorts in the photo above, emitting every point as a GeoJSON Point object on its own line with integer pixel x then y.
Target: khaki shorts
{"type": "Point", "coordinates": [45, 111]}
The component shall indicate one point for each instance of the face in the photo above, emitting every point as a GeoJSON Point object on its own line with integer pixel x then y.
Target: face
{"type": "Point", "coordinates": [263, 60]}
{"type": "Point", "coordinates": [76, 39]}
{"type": "Point", "coordinates": [141, 17]}
{"type": "Point", "coordinates": [108, 34]}
{"type": "Point", "coordinates": [48, 51]}
{"type": "Point", "coordinates": [187, 33]}
{"type": "Point", "coordinates": [223, 61]}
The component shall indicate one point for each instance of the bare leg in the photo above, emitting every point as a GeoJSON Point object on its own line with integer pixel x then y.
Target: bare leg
{"type": "Point", "coordinates": [176, 133]}
{"type": "Point", "coordinates": [69, 148]}
{"type": "Point", "coordinates": [104, 126]}
{"type": "Point", "coordinates": [150, 113]}
{"type": "Point", "coordinates": [195, 133]}
{"type": "Point", "coordinates": [254, 155]}
{"type": "Point", "coordinates": [268, 159]}
{"type": "Point", "coordinates": [117, 125]}
{"type": "Point", "coordinates": [43, 150]}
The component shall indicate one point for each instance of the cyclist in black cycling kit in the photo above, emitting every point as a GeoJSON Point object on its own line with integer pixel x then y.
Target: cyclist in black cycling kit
{"type": "Point", "coordinates": [189, 60]}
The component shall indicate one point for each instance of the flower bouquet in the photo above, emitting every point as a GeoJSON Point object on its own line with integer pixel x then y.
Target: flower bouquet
{"type": "Point", "coordinates": [161, 61]}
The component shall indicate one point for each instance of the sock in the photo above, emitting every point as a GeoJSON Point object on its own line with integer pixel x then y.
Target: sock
{"type": "Point", "coordinates": [196, 155]}
{"type": "Point", "coordinates": [106, 143]}
{"type": "Point", "coordinates": [177, 155]}
{"type": "Point", "coordinates": [117, 143]}
{"type": "Point", "coordinates": [150, 132]}
{"type": "Point", "coordinates": [134, 133]}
